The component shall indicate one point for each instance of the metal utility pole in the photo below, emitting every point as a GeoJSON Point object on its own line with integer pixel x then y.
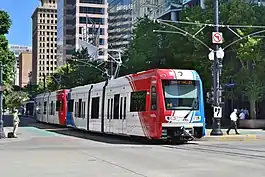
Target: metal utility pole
{"type": "Point", "coordinates": [216, 78]}
{"type": "Point", "coordinates": [2, 133]}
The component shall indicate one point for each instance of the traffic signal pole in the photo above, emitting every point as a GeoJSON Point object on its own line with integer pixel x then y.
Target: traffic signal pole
{"type": "Point", "coordinates": [216, 78]}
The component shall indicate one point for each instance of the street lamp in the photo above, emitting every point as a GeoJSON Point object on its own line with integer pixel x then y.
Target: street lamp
{"type": "Point", "coordinates": [217, 58]}
{"type": "Point", "coordinates": [2, 133]}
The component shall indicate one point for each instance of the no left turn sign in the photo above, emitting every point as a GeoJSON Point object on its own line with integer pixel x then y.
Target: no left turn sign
{"type": "Point", "coordinates": [217, 37]}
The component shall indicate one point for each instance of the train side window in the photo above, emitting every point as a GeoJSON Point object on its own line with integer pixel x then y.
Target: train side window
{"type": "Point", "coordinates": [57, 105]}
{"type": "Point", "coordinates": [84, 109]}
{"type": "Point", "coordinates": [75, 109]}
{"type": "Point", "coordinates": [70, 106]}
{"type": "Point", "coordinates": [124, 108]}
{"type": "Point", "coordinates": [111, 107]}
{"type": "Point", "coordinates": [95, 108]}
{"type": "Point", "coordinates": [138, 101]}
{"type": "Point", "coordinates": [108, 109]}
{"type": "Point", "coordinates": [153, 98]}
{"type": "Point", "coordinates": [116, 106]}
{"type": "Point", "coordinates": [79, 108]}
{"type": "Point", "coordinates": [121, 108]}
{"type": "Point", "coordinates": [51, 109]}
{"type": "Point", "coordinates": [45, 107]}
{"type": "Point", "coordinates": [62, 105]}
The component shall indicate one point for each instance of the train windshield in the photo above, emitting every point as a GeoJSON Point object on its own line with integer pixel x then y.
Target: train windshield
{"type": "Point", "coordinates": [181, 94]}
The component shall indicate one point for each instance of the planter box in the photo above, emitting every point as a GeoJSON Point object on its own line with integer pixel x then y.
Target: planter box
{"type": "Point", "coordinates": [252, 123]}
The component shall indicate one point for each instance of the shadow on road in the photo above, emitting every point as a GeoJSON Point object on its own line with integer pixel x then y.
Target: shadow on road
{"type": "Point", "coordinates": [93, 136]}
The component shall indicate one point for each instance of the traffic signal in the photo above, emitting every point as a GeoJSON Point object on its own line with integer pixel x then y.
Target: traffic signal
{"type": "Point", "coordinates": [221, 96]}
{"type": "Point", "coordinates": [210, 98]}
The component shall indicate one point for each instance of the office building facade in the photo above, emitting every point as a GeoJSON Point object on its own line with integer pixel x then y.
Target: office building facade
{"type": "Point", "coordinates": [17, 49]}
{"type": "Point", "coordinates": [123, 14]}
{"type": "Point", "coordinates": [25, 68]}
{"type": "Point", "coordinates": [81, 20]}
{"type": "Point", "coordinates": [120, 23]}
{"type": "Point", "coordinates": [44, 40]}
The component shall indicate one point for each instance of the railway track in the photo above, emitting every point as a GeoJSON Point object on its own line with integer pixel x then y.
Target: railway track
{"type": "Point", "coordinates": [222, 150]}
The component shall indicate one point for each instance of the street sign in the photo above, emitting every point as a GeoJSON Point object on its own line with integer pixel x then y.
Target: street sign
{"type": "Point", "coordinates": [217, 112]}
{"type": "Point", "coordinates": [217, 37]}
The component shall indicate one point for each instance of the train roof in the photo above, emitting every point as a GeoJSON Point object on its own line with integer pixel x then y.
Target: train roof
{"type": "Point", "coordinates": [192, 74]}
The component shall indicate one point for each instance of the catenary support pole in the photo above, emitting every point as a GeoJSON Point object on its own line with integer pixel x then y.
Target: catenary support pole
{"type": "Point", "coordinates": [2, 133]}
{"type": "Point", "coordinates": [216, 76]}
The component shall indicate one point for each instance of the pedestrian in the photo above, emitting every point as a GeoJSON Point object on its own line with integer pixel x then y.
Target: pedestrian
{"type": "Point", "coordinates": [15, 122]}
{"type": "Point", "coordinates": [233, 123]}
{"type": "Point", "coordinates": [246, 113]}
{"type": "Point", "coordinates": [242, 115]}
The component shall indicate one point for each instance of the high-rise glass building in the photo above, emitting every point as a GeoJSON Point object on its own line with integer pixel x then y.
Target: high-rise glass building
{"type": "Point", "coordinates": [124, 13]}
{"type": "Point", "coordinates": [120, 23]}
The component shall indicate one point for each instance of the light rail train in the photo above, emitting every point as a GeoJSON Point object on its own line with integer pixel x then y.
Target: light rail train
{"type": "Point", "coordinates": [156, 104]}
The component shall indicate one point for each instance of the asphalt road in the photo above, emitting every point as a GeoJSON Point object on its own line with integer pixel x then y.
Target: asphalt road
{"type": "Point", "coordinates": [44, 151]}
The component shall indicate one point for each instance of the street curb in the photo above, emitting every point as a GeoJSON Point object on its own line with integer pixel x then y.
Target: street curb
{"type": "Point", "coordinates": [248, 137]}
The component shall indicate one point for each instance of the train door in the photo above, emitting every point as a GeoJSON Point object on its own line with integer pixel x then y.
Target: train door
{"type": "Point", "coordinates": [116, 121]}
{"type": "Point", "coordinates": [123, 112]}
{"type": "Point", "coordinates": [108, 114]}
{"type": "Point", "coordinates": [45, 109]}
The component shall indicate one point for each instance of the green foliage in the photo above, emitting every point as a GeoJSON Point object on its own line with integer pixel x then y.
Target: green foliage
{"type": "Point", "coordinates": [5, 22]}
{"type": "Point", "coordinates": [15, 99]}
{"type": "Point", "coordinates": [162, 50]}
{"type": "Point", "coordinates": [78, 71]}
{"type": "Point", "coordinates": [34, 90]}
{"type": "Point", "coordinates": [6, 57]}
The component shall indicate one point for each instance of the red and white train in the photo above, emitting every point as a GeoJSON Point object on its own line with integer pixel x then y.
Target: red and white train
{"type": "Point", "coordinates": [157, 104]}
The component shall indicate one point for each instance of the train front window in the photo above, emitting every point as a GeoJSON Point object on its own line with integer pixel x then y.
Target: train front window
{"type": "Point", "coordinates": [181, 94]}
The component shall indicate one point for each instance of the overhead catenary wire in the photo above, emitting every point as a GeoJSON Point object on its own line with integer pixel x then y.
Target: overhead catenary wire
{"type": "Point", "coordinates": [213, 25]}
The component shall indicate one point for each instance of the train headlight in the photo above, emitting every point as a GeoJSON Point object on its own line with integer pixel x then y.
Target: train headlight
{"type": "Point", "coordinates": [196, 118]}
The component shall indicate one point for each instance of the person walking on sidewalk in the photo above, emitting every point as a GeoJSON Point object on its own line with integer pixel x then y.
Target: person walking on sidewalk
{"type": "Point", "coordinates": [233, 124]}
{"type": "Point", "coordinates": [15, 122]}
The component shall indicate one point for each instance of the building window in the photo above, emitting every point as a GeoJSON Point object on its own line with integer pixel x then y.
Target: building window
{"type": "Point", "coordinates": [101, 41]}
{"type": "Point", "coordinates": [92, 1]}
{"type": "Point", "coordinates": [91, 10]}
{"type": "Point", "coordinates": [83, 20]}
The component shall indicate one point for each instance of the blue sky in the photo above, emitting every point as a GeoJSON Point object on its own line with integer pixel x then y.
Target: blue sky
{"type": "Point", "coordinates": [20, 12]}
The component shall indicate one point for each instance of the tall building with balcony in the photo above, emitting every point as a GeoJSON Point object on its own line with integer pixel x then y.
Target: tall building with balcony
{"type": "Point", "coordinates": [81, 20]}
{"type": "Point", "coordinates": [44, 40]}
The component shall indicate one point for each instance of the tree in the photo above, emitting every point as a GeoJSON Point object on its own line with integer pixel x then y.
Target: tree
{"type": "Point", "coordinates": [34, 90]}
{"type": "Point", "coordinates": [15, 99]}
{"type": "Point", "coordinates": [80, 70]}
{"type": "Point", "coordinates": [6, 57]}
{"type": "Point", "coordinates": [252, 62]}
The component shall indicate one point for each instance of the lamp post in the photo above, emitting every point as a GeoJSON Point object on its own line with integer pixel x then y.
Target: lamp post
{"type": "Point", "coordinates": [2, 133]}
{"type": "Point", "coordinates": [218, 54]}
